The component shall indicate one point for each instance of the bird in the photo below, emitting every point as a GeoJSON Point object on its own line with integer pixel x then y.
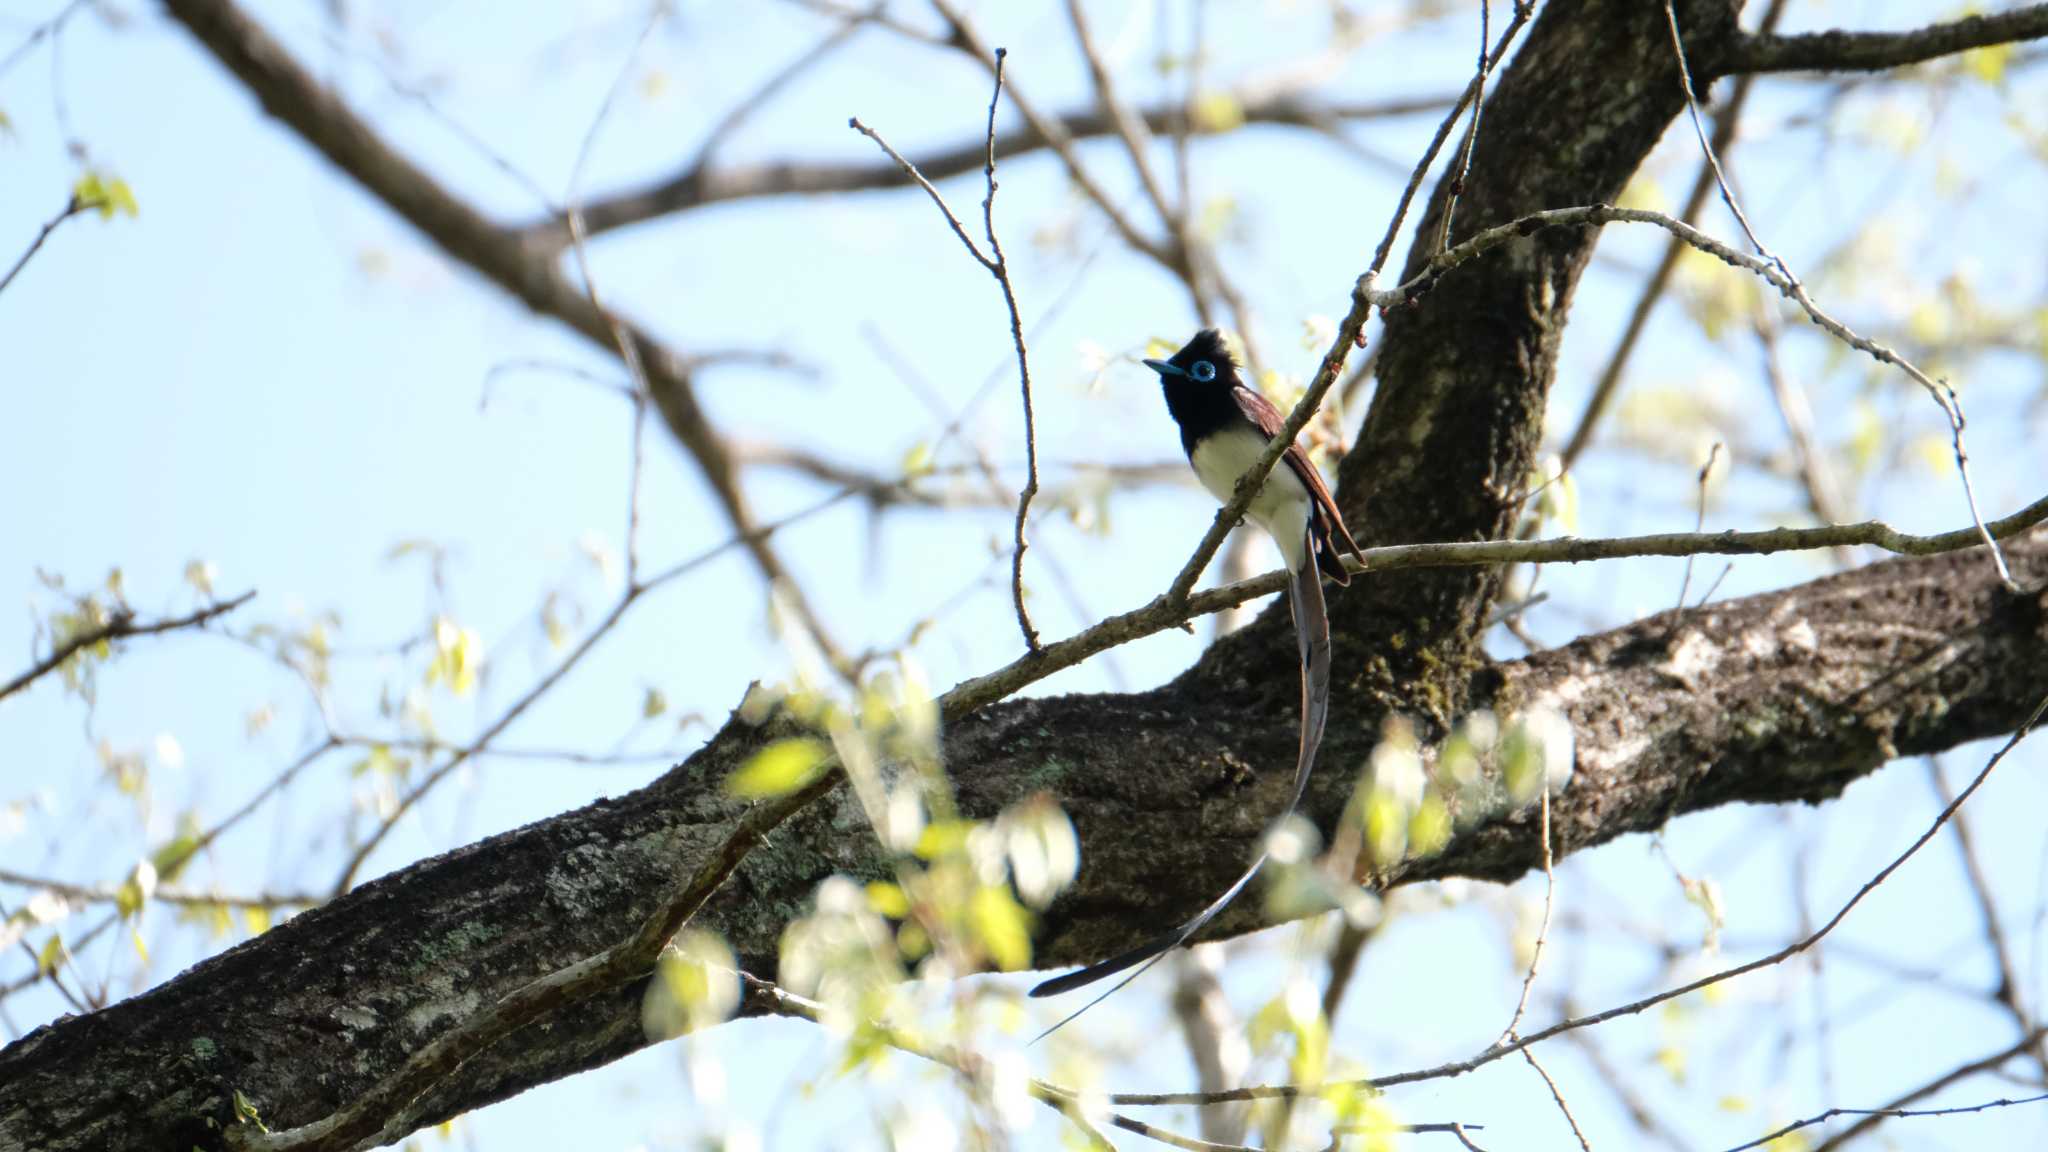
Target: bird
{"type": "Point", "coordinates": [1225, 425]}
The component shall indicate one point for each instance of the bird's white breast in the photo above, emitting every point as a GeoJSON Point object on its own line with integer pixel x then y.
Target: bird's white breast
{"type": "Point", "coordinates": [1282, 505]}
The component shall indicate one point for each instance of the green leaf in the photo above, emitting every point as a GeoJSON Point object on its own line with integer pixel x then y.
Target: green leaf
{"type": "Point", "coordinates": [918, 461]}
{"type": "Point", "coordinates": [779, 769]}
{"type": "Point", "coordinates": [50, 956]}
{"type": "Point", "coordinates": [135, 892]}
{"type": "Point", "coordinates": [1003, 926]}
{"type": "Point", "coordinates": [105, 194]}
{"type": "Point", "coordinates": [888, 899]}
{"type": "Point", "coordinates": [942, 838]}
{"type": "Point", "coordinates": [1217, 112]}
{"type": "Point", "coordinates": [458, 653]}
{"type": "Point", "coordinates": [245, 1111]}
{"type": "Point", "coordinates": [1989, 63]}
{"type": "Point", "coordinates": [171, 858]}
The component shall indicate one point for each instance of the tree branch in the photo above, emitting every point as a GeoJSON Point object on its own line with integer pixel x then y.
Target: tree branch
{"type": "Point", "coordinates": [1840, 51]}
{"type": "Point", "coordinates": [699, 187]}
{"type": "Point", "coordinates": [295, 97]}
{"type": "Point", "coordinates": [1778, 697]}
{"type": "Point", "coordinates": [121, 627]}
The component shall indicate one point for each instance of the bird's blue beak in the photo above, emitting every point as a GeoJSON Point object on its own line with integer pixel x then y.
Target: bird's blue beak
{"type": "Point", "coordinates": [1164, 368]}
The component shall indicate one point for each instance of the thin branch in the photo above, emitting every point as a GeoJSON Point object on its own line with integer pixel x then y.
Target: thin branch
{"type": "Point", "coordinates": [622, 341]}
{"type": "Point", "coordinates": [1699, 524]}
{"type": "Point", "coordinates": [1896, 1112]}
{"type": "Point", "coordinates": [2008, 991]}
{"type": "Point", "coordinates": [1213, 1033]}
{"type": "Point", "coordinates": [1542, 930]}
{"type": "Point", "coordinates": [123, 626]}
{"type": "Point", "coordinates": [1465, 149]}
{"type": "Point", "coordinates": [1165, 611]}
{"type": "Point", "coordinates": [1942, 393]}
{"type": "Point", "coordinates": [998, 266]}
{"type": "Point", "coordinates": [1001, 271]}
{"type": "Point", "coordinates": [320, 117]}
{"type": "Point", "coordinates": [693, 188]}
{"type": "Point", "coordinates": [72, 207]}
{"type": "Point", "coordinates": [101, 894]}
{"type": "Point", "coordinates": [1130, 128]}
{"type": "Point", "coordinates": [1840, 51]}
{"type": "Point", "coordinates": [39, 33]}
{"type": "Point", "coordinates": [1794, 410]}
{"type": "Point", "coordinates": [435, 747]}
{"type": "Point", "coordinates": [964, 37]}
{"type": "Point", "coordinates": [462, 755]}
{"type": "Point", "coordinates": [1524, 9]}
{"type": "Point", "coordinates": [1653, 290]}
{"type": "Point", "coordinates": [1495, 1052]}
{"type": "Point", "coordinates": [1350, 334]}
{"type": "Point", "coordinates": [1558, 1097]}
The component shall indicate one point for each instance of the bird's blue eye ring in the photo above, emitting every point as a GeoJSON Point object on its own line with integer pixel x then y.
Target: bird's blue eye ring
{"type": "Point", "coordinates": [1203, 371]}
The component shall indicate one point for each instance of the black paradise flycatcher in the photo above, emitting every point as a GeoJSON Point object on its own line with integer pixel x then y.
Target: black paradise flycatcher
{"type": "Point", "coordinates": [1224, 426]}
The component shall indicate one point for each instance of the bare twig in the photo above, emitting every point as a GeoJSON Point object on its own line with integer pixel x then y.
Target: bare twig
{"type": "Point", "coordinates": [123, 626]}
{"type": "Point", "coordinates": [1484, 69]}
{"type": "Point", "coordinates": [1558, 1097]}
{"type": "Point", "coordinates": [968, 40]}
{"type": "Point", "coordinates": [2008, 991]}
{"type": "Point", "coordinates": [1542, 930]}
{"type": "Point", "coordinates": [39, 33]}
{"type": "Point", "coordinates": [101, 894]}
{"type": "Point", "coordinates": [1524, 9]}
{"type": "Point", "coordinates": [72, 207]}
{"type": "Point", "coordinates": [1699, 525]}
{"type": "Point", "coordinates": [1496, 1051]}
{"type": "Point", "coordinates": [998, 266]}
{"type": "Point", "coordinates": [1897, 1112]}
{"type": "Point", "coordinates": [1130, 128]}
{"type": "Point", "coordinates": [1797, 414]}
{"type": "Point", "coordinates": [622, 341]}
{"type": "Point", "coordinates": [1214, 1036]}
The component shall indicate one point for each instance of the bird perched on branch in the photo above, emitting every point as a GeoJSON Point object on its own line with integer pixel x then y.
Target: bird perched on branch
{"type": "Point", "coordinates": [1224, 427]}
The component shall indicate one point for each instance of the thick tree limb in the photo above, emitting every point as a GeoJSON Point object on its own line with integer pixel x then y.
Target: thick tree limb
{"type": "Point", "coordinates": [1840, 51]}
{"type": "Point", "coordinates": [1787, 696]}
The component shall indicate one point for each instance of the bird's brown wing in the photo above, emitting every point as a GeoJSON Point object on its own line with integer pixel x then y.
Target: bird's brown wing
{"type": "Point", "coordinates": [1327, 532]}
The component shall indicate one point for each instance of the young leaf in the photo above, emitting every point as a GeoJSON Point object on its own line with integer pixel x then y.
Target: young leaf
{"type": "Point", "coordinates": [779, 769]}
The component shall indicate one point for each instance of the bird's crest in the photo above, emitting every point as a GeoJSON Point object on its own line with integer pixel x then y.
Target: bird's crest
{"type": "Point", "coordinates": [1208, 344]}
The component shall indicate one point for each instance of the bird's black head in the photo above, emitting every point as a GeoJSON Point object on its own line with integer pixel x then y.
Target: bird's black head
{"type": "Point", "coordinates": [1203, 360]}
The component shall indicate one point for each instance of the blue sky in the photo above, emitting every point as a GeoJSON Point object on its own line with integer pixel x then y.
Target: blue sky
{"type": "Point", "coordinates": [267, 370]}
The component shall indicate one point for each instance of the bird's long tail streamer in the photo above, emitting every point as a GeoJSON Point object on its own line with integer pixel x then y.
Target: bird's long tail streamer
{"type": "Point", "coordinates": [1312, 635]}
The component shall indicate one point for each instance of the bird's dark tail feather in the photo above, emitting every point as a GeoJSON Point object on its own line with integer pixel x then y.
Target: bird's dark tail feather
{"type": "Point", "coordinates": [1312, 634]}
